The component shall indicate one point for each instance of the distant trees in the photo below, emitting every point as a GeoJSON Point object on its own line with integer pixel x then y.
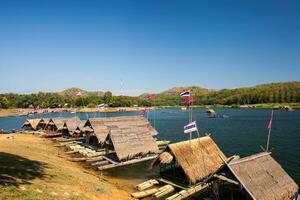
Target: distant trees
{"type": "Point", "coordinates": [288, 92]}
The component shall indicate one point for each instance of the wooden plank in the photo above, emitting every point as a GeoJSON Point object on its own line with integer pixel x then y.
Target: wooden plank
{"type": "Point", "coordinates": [95, 159]}
{"type": "Point", "coordinates": [77, 159]}
{"type": "Point", "coordinates": [172, 183]}
{"type": "Point", "coordinates": [110, 160]}
{"type": "Point", "coordinates": [133, 161]}
{"type": "Point", "coordinates": [224, 178]}
{"type": "Point", "coordinates": [100, 163]}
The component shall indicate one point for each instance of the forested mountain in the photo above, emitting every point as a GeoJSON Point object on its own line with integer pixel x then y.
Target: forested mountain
{"type": "Point", "coordinates": [283, 92]}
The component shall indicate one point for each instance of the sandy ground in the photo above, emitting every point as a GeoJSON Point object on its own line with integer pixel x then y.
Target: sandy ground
{"type": "Point", "coordinates": [32, 168]}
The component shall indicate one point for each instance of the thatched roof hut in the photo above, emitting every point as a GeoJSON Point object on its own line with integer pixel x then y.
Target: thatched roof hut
{"type": "Point", "coordinates": [33, 124]}
{"type": "Point", "coordinates": [56, 124]}
{"type": "Point", "coordinates": [129, 141]}
{"type": "Point", "coordinates": [72, 124]}
{"type": "Point", "coordinates": [67, 125]}
{"type": "Point", "coordinates": [263, 178]}
{"type": "Point", "coordinates": [191, 161]}
{"type": "Point", "coordinates": [101, 126]}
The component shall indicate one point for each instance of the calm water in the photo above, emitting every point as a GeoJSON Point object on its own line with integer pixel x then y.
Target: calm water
{"type": "Point", "coordinates": [241, 133]}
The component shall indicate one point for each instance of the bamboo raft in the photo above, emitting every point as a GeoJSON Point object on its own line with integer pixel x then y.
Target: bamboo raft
{"type": "Point", "coordinates": [148, 188]}
{"type": "Point", "coordinates": [97, 158]}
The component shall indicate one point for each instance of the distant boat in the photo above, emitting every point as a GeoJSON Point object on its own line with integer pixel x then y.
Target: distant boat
{"type": "Point", "coordinates": [73, 111]}
{"type": "Point", "coordinates": [288, 108]}
{"type": "Point", "coordinates": [183, 108]}
{"type": "Point", "coordinates": [210, 111]}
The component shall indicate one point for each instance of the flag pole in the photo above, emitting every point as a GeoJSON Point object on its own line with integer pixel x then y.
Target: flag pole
{"type": "Point", "coordinates": [190, 116]}
{"type": "Point", "coordinates": [269, 134]}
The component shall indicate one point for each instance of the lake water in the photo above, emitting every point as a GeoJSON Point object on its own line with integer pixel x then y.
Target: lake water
{"type": "Point", "coordinates": [242, 132]}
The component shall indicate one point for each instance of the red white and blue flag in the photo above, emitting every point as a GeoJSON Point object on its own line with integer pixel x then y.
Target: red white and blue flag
{"type": "Point", "coordinates": [191, 127]}
{"type": "Point", "coordinates": [101, 105]}
{"type": "Point", "coordinates": [185, 93]}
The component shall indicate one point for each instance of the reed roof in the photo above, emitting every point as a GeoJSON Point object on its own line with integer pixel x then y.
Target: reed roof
{"type": "Point", "coordinates": [263, 177]}
{"type": "Point", "coordinates": [58, 122]}
{"type": "Point", "coordinates": [102, 126]}
{"type": "Point", "coordinates": [72, 123]}
{"type": "Point", "coordinates": [198, 157]}
{"type": "Point", "coordinates": [32, 122]}
{"type": "Point", "coordinates": [46, 120]}
{"type": "Point", "coordinates": [130, 141]}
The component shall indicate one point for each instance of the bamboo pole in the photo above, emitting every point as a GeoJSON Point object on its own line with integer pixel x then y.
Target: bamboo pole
{"type": "Point", "coordinates": [146, 184]}
{"type": "Point", "coordinates": [142, 194]}
{"type": "Point", "coordinates": [162, 191]}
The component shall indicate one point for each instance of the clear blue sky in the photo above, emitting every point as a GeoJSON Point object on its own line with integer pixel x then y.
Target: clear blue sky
{"type": "Point", "coordinates": [146, 45]}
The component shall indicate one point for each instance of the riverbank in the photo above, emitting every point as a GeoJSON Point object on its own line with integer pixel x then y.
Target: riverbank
{"type": "Point", "coordinates": [31, 168]}
{"type": "Point", "coordinates": [20, 111]}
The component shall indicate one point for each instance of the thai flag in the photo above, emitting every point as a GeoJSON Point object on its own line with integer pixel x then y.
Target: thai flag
{"type": "Point", "coordinates": [101, 105]}
{"type": "Point", "coordinates": [78, 94]}
{"type": "Point", "coordinates": [191, 127]}
{"type": "Point", "coordinates": [185, 93]}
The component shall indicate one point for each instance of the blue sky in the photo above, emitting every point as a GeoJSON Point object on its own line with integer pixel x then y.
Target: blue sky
{"type": "Point", "coordinates": [131, 47]}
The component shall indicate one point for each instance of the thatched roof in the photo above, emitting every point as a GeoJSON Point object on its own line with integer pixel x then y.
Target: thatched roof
{"type": "Point", "coordinates": [129, 142]}
{"type": "Point", "coordinates": [263, 177]}
{"type": "Point", "coordinates": [102, 126]}
{"type": "Point", "coordinates": [198, 157]}
{"type": "Point", "coordinates": [66, 123]}
{"type": "Point", "coordinates": [58, 122]}
{"type": "Point", "coordinates": [32, 122]}
{"type": "Point", "coordinates": [46, 120]}
{"type": "Point", "coordinates": [72, 123]}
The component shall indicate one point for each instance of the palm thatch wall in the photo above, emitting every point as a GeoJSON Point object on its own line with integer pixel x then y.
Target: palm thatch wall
{"type": "Point", "coordinates": [129, 141]}
{"type": "Point", "coordinates": [198, 158]}
{"type": "Point", "coordinates": [264, 178]}
{"type": "Point", "coordinates": [102, 126]}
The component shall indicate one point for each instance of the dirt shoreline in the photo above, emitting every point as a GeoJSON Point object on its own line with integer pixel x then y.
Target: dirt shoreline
{"type": "Point", "coordinates": [32, 168]}
{"type": "Point", "coordinates": [24, 112]}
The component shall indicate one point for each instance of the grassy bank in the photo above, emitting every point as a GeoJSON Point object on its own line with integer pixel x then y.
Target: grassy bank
{"type": "Point", "coordinates": [31, 168]}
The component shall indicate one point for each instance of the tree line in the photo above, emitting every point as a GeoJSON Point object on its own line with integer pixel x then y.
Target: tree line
{"type": "Point", "coordinates": [288, 92]}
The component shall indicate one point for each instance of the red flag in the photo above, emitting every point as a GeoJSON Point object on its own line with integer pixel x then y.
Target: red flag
{"type": "Point", "coordinates": [270, 123]}
{"type": "Point", "coordinates": [150, 96]}
{"type": "Point", "coordinates": [188, 100]}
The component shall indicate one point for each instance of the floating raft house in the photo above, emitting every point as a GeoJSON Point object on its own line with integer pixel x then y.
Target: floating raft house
{"type": "Point", "coordinates": [192, 166]}
{"type": "Point", "coordinates": [68, 126]}
{"type": "Point", "coordinates": [33, 124]}
{"type": "Point", "coordinates": [263, 178]}
{"type": "Point", "coordinates": [121, 141]}
{"type": "Point", "coordinates": [97, 129]}
{"type": "Point", "coordinates": [189, 162]}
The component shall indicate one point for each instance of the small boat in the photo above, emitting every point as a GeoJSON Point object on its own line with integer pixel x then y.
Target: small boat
{"type": "Point", "coordinates": [210, 111]}
{"type": "Point", "coordinates": [183, 108]}
{"type": "Point", "coordinates": [52, 135]}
